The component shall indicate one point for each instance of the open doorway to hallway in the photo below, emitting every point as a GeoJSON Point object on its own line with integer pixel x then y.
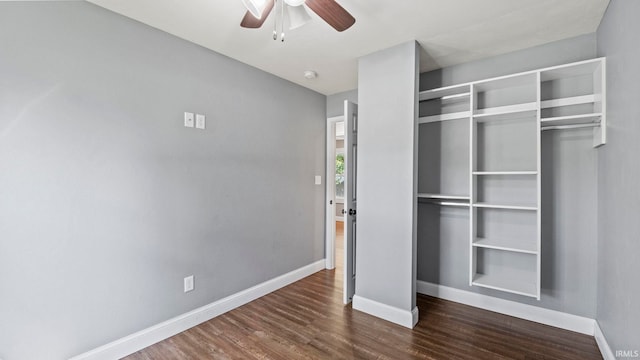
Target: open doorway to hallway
{"type": "Point", "coordinates": [335, 196]}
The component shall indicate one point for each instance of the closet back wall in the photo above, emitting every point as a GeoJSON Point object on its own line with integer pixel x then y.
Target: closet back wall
{"type": "Point", "coordinates": [569, 193]}
{"type": "Point", "coordinates": [107, 201]}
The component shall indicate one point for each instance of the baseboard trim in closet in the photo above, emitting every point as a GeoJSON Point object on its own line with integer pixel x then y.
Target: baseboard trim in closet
{"type": "Point", "coordinates": [149, 336]}
{"type": "Point", "coordinates": [390, 313]}
{"type": "Point", "coordinates": [603, 345]}
{"type": "Point", "coordinates": [528, 312]}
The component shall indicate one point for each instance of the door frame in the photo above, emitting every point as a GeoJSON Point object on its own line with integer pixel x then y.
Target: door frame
{"type": "Point", "coordinates": [330, 188]}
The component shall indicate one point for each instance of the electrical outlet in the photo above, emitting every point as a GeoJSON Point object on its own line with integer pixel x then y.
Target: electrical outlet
{"type": "Point", "coordinates": [318, 180]}
{"type": "Point", "coordinates": [188, 283]}
{"type": "Point", "coordinates": [188, 119]}
{"type": "Point", "coordinates": [200, 121]}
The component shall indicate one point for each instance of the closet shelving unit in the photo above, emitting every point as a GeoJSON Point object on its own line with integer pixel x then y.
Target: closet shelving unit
{"type": "Point", "coordinates": [574, 96]}
{"type": "Point", "coordinates": [505, 184]}
{"type": "Point", "coordinates": [446, 109]}
{"type": "Point", "coordinates": [503, 119]}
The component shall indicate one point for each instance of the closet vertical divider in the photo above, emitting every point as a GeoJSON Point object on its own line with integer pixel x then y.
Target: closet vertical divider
{"type": "Point", "coordinates": [539, 179]}
{"type": "Point", "coordinates": [473, 158]}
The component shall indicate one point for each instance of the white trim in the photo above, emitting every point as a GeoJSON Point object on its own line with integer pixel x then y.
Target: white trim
{"type": "Point", "coordinates": [603, 345]}
{"type": "Point", "coordinates": [395, 315]}
{"type": "Point", "coordinates": [149, 336]}
{"type": "Point", "coordinates": [524, 311]}
{"type": "Point", "coordinates": [330, 210]}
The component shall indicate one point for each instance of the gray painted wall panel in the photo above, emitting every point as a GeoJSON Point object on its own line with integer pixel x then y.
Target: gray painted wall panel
{"type": "Point", "coordinates": [386, 138]}
{"type": "Point", "coordinates": [107, 201]}
{"type": "Point", "coordinates": [619, 170]}
{"type": "Point", "coordinates": [444, 142]}
{"type": "Point", "coordinates": [569, 241]}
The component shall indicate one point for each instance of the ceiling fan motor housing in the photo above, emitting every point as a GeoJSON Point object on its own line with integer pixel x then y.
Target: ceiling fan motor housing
{"type": "Point", "coordinates": [294, 2]}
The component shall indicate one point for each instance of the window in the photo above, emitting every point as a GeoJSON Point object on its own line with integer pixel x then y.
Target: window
{"type": "Point", "coordinates": [340, 175]}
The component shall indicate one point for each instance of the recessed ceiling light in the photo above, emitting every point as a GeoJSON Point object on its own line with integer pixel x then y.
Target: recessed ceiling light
{"type": "Point", "coordinates": [310, 74]}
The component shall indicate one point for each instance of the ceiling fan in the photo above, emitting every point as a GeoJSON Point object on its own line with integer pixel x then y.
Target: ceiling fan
{"type": "Point", "coordinates": [329, 10]}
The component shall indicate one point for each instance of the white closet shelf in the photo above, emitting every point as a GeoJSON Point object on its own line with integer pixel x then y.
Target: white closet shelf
{"type": "Point", "coordinates": [447, 203]}
{"type": "Point", "coordinates": [451, 99]}
{"type": "Point", "coordinates": [522, 246]}
{"type": "Point", "coordinates": [586, 67]}
{"type": "Point", "coordinates": [508, 112]}
{"type": "Point", "coordinates": [526, 79]}
{"type": "Point", "coordinates": [506, 173]}
{"type": "Point", "coordinates": [506, 207]}
{"type": "Point", "coordinates": [445, 200]}
{"type": "Point", "coordinates": [456, 90]}
{"type": "Point", "coordinates": [593, 118]}
{"type": "Point", "coordinates": [444, 117]}
{"type": "Point", "coordinates": [456, 97]}
{"type": "Point", "coordinates": [442, 196]}
{"type": "Point", "coordinates": [508, 284]}
{"type": "Point", "coordinates": [575, 100]}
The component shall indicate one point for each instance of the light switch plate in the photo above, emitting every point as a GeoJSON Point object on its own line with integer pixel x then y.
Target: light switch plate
{"type": "Point", "coordinates": [188, 283]}
{"type": "Point", "coordinates": [188, 119]}
{"type": "Point", "coordinates": [318, 180]}
{"type": "Point", "coordinates": [200, 121]}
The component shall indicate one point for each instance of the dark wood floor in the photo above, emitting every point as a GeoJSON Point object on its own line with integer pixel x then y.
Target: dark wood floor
{"type": "Point", "coordinates": [307, 320]}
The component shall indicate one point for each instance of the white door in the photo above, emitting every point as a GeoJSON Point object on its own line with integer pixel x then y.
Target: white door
{"type": "Point", "coordinates": [350, 196]}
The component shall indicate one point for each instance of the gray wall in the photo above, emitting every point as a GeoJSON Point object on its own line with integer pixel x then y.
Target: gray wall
{"type": "Point", "coordinates": [335, 102]}
{"type": "Point", "coordinates": [107, 201]}
{"type": "Point", "coordinates": [569, 209]}
{"type": "Point", "coordinates": [619, 170]}
{"type": "Point", "coordinates": [385, 268]}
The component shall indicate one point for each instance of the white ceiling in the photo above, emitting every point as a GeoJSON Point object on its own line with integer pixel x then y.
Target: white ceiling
{"type": "Point", "coordinates": [450, 32]}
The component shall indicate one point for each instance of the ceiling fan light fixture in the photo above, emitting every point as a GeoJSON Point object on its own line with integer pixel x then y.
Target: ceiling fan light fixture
{"type": "Point", "coordinates": [298, 16]}
{"type": "Point", "coordinates": [255, 7]}
{"type": "Point", "coordinates": [294, 2]}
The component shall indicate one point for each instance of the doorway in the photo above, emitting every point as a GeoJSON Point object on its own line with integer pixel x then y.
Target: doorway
{"type": "Point", "coordinates": [335, 194]}
{"type": "Point", "coordinates": [341, 197]}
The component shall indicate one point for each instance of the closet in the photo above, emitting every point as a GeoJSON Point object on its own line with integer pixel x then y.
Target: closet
{"type": "Point", "coordinates": [480, 167]}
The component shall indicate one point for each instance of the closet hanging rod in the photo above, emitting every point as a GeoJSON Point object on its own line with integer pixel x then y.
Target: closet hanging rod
{"type": "Point", "coordinates": [575, 126]}
{"type": "Point", "coordinates": [444, 203]}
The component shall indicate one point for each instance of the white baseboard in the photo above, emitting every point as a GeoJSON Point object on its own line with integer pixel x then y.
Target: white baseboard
{"type": "Point", "coordinates": [528, 312]}
{"type": "Point", "coordinates": [327, 265]}
{"type": "Point", "coordinates": [393, 314]}
{"type": "Point", "coordinates": [603, 345]}
{"type": "Point", "coordinates": [147, 337]}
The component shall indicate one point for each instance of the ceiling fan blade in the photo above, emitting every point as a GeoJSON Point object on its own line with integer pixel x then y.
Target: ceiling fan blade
{"type": "Point", "coordinates": [251, 22]}
{"type": "Point", "coordinates": [331, 12]}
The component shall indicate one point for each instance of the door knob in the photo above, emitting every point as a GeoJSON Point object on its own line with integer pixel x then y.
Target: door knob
{"type": "Point", "coordinates": [352, 212]}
